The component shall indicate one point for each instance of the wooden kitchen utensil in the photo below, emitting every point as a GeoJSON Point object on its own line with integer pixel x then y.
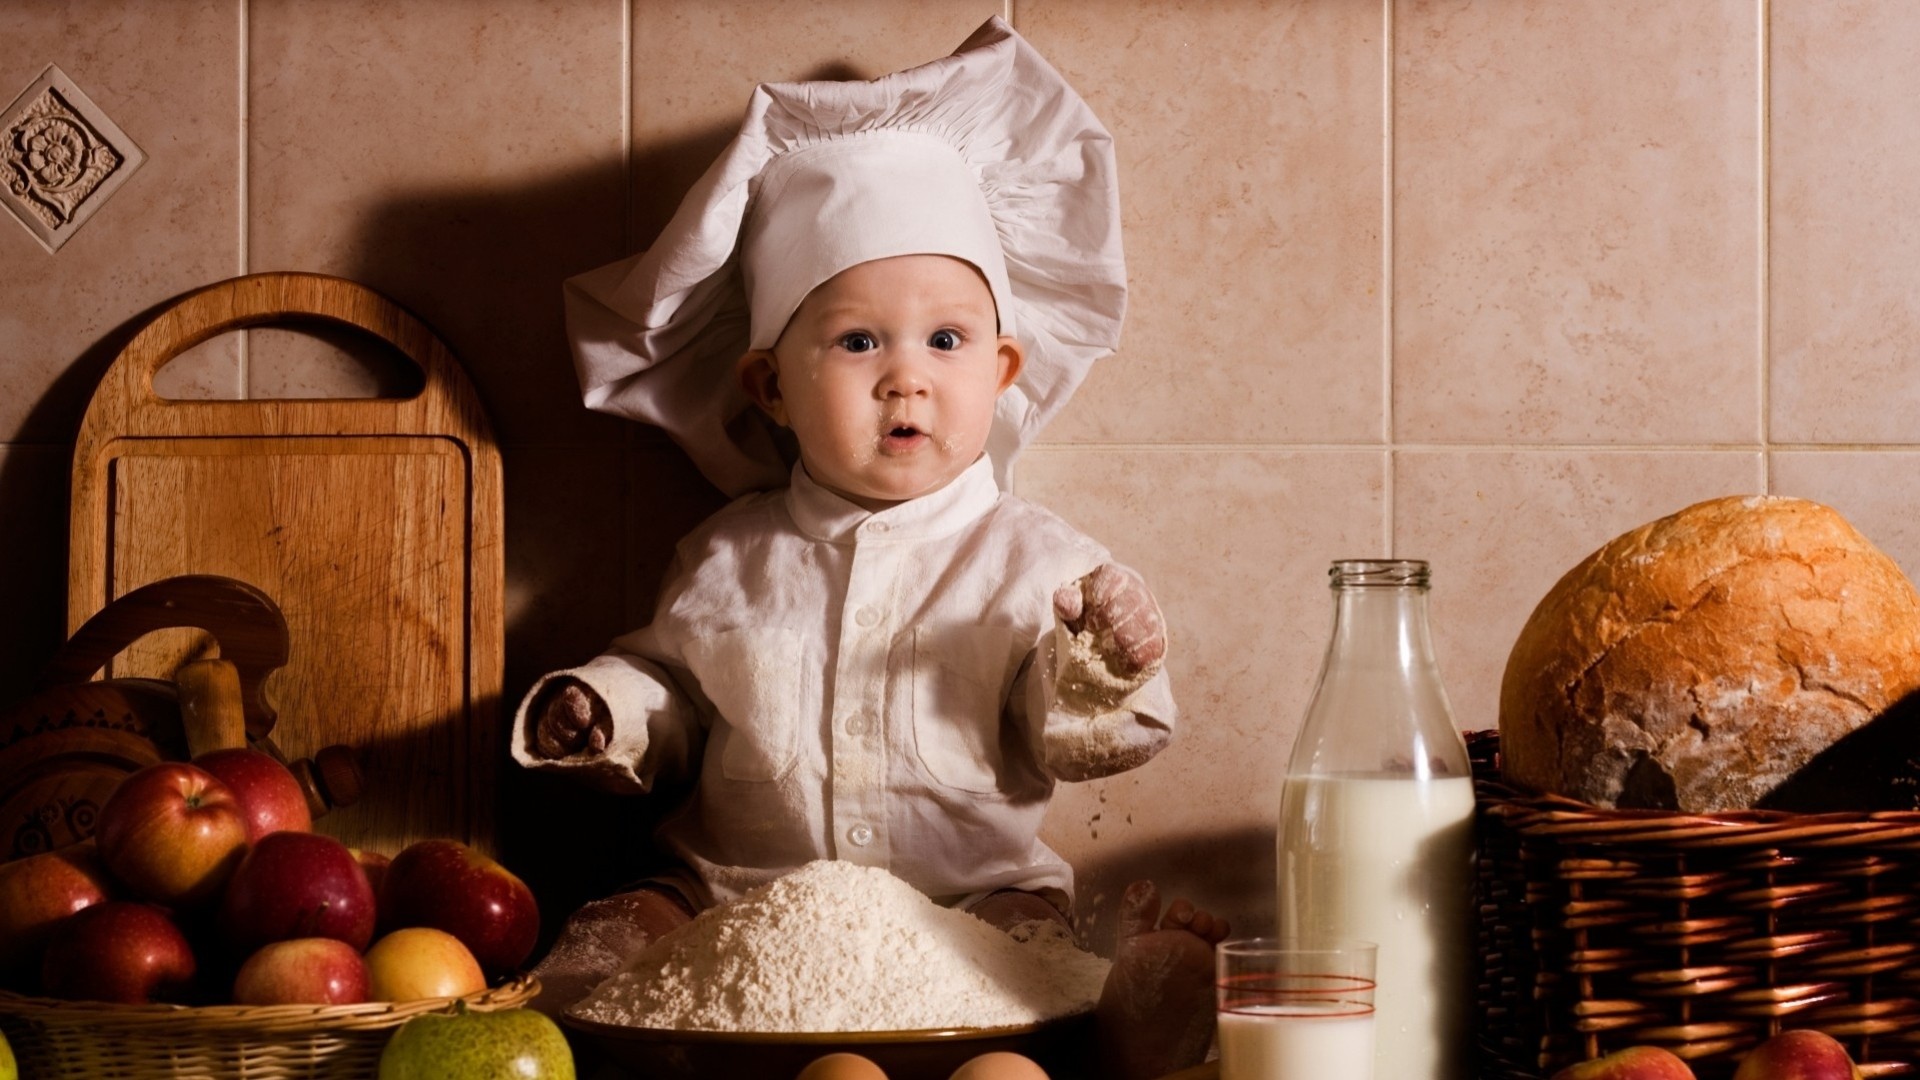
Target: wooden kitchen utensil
{"type": "Point", "coordinates": [65, 749]}
{"type": "Point", "coordinates": [374, 523]}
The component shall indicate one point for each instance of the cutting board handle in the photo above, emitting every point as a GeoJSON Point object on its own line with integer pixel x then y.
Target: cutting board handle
{"type": "Point", "coordinates": [126, 403]}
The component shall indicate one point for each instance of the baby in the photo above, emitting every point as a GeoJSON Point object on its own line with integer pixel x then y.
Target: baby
{"type": "Point", "coordinates": [888, 660]}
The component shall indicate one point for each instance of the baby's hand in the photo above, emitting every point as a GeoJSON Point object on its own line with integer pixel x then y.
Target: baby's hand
{"type": "Point", "coordinates": [1113, 606]}
{"type": "Point", "coordinates": [573, 719]}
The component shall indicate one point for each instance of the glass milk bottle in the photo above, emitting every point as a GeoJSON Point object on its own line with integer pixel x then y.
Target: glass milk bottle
{"type": "Point", "coordinates": [1376, 819]}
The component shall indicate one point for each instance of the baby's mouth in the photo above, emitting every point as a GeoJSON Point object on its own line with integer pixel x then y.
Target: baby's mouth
{"type": "Point", "coordinates": [901, 436]}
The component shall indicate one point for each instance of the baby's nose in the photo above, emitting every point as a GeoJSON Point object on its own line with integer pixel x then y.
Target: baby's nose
{"type": "Point", "coordinates": [905, 380]}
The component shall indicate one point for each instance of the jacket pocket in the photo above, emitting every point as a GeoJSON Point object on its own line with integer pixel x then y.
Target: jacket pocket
{"type": "Point", "coordinates": [960, 679]}
{"type": "Point", "coordinates": [754, 677]}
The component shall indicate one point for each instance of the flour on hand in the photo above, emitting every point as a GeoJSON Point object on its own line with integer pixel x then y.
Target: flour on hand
{"type": "Point", "coordinates": [836, 947]}
{"type": "Point", "coordinates": [1088, 684]}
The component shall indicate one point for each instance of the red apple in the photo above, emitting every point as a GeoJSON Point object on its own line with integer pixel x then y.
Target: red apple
{"type": "Point", "coordinates": [119, 951]}
{"type": "Point", "coordinates": [375, 864]}
{"type": "Point", "coordinates": [1804, 1054]}
{"type": "Point", "coordinates": [449, 886]}
{"type": "Point", "coordinates": [270, 798]}
{"type": "Point", "coordinates": [1632, 1063]}
{"type": "Point", "coordinates": [302, 971]}
{"type": "Point", "coordinates": [295, 885]}
{"type": "Point", "coordinates": [171, 833]}
{"type": "Point", "coordinates": [421, 962]}
{"type": "Point", "coordinates": [35, 893]}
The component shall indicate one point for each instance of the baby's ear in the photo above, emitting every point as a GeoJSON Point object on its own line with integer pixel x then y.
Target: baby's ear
{"type": "Point", "coordinates": [760, 379]}
{"type": "Point", "coordinates": [1012, 359]}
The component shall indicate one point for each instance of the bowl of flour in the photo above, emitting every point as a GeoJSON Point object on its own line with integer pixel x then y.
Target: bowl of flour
{"type": "Point", "coordinates": [838, 957]}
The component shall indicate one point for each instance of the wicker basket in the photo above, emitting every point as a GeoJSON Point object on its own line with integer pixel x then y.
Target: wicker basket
{"type": "Point", "coordinates": [1703, 934]}
{"type": "Point", "coordinates": [57, 1040]}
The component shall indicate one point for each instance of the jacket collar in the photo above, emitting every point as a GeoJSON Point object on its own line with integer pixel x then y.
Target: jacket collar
{"type": "Point", "coordinates": [823, 515]}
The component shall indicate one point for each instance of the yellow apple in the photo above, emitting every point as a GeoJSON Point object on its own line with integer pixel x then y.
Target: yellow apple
{"type": "Point", "coordinates": [421, 962]}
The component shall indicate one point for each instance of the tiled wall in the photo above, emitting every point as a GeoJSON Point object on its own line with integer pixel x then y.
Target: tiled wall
{"type": "Point", "coordinates": [1481, 281]}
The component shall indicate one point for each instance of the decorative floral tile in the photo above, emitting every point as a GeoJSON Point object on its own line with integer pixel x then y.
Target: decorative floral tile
{"type": "Point", "coordinates": [60, 158]}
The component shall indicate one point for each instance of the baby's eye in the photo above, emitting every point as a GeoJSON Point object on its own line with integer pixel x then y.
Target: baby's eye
{"type": "Point", "coordinates": [944, 340]}
{"type": "Point", "coordinates": [858, 341]}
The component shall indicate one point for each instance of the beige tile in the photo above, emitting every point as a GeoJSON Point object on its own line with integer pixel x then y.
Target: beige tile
{"type": "Point", "coordinates": [33, 545]}
{"type": "Point", "coordinates": [1235, 545]}
{"type": "Point", "coordinates": [212, 369]}
{"type": "Point", "coordinates": [323, 360]}
{"type": "Point", "coordinates": [1249, 140]}
{"type": "Point", "coordinates": [167, 75]}
{"type": "Point", "coordinates": [1875, 491]}
{"type": "Point", "coordinates": [1844, 241]}
{"type": "Point", "coordinates": [1501, 528]}
{"type": "Point", "coordinates": [1575, 222]}
{"type": "Point", "coordinates": [462, 158]}
{"type": "Point", "coordinates": [693, 72]}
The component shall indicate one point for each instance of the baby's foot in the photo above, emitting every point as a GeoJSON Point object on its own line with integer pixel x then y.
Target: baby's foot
{"type": "Point", "coordinates": [1156, 1011]}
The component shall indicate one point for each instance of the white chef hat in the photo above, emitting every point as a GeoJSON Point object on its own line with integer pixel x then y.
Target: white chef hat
{"type": "Point", "coordinates": [986, 155]}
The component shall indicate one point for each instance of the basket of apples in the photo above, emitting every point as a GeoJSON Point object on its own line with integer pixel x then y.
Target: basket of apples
{"type": "Point", "coordinates": [205, 930]}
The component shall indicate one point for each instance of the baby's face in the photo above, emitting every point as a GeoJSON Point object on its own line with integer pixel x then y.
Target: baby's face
{"type": "Point", "coordinates": [887, 375]}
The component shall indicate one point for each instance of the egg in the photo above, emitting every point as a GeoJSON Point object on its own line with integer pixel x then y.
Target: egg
{"type": "Point", "coordinates": [999, 1065]}
{"type": "Point", "coordinates": [841, 1067]}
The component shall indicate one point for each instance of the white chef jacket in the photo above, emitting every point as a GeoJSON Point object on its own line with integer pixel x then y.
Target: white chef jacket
{"type": "Point", "coordinates": [874, 687]}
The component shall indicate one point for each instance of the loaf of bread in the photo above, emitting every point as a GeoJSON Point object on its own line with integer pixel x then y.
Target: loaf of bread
{"type": "Point", "coordinates": [1695, 663]}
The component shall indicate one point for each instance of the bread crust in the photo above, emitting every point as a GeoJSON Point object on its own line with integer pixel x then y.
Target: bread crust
{"type": "Point", "coordinates": [1696, 662]}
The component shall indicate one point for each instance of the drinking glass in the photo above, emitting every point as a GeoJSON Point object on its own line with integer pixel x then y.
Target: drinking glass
{"type": "Point", "coordinates": [1295, 1011]}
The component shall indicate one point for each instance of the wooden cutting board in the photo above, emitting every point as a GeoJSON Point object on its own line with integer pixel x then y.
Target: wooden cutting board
{"type": "Point", "coordinates": [375, 524]}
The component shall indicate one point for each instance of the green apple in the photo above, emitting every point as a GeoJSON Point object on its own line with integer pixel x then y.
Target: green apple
{"type": "Point", "coordinates": [9, 1069]}
{"type": "Point", "coordinates": [466, 1045]}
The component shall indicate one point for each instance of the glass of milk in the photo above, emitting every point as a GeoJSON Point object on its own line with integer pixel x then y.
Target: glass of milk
{"type": "Point", "coordinates": [1292, 1011]}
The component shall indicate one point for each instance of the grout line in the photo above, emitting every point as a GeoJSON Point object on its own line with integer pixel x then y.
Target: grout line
{"type": "Point", "coordinates": [629, 437]}
{"type": "Point", "coordinates": [626, 123]}
{"type": "Point", "coordinates": [1013, 470]}
{"type": "Point", "coordinates": [1765, 241]}
{"type": "Point", "coordinates": [1387, 208]}
{"type": "Point", "coordinates": [245, 136]}
{"type": "Point", "coordinates": [1844, 448]}
{"type": "Point", "coordinates": [1611, 449]}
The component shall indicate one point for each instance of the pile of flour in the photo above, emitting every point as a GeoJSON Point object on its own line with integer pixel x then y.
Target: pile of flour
{"type": "Point", "coordinates": [838, 947]}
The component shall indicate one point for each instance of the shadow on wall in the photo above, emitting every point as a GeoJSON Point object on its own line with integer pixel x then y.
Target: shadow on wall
{"type": "Point", "coordinates": [594, 504]}
{"type": "Point", "coordinates": [35, 492]}
{"type": "Point", "coordinates": [1229, 873]}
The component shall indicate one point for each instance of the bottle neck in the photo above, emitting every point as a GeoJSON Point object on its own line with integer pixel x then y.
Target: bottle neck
{"type": "Point", "coordinates": [1380, 626]}
{"type": "Point", "coordinates": [1380, 613]}
{"type": "Point", "coordinates": [1379, 708]}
